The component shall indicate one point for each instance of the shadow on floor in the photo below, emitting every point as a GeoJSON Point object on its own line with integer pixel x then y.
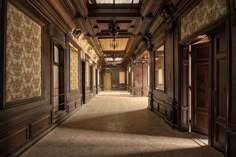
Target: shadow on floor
{"type": "Point", "coordinates": [78, 150]}
{"type": "Point", "coordinates": [188, 152]}
{"type": "Point", "coordinates": [142, 122]}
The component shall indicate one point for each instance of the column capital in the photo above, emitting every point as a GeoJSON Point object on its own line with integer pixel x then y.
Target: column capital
{"type": "Point", "coordinates": [148, 41]}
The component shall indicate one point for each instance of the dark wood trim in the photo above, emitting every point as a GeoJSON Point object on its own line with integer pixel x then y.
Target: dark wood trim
{"type": "Point", "coordinates": [62, 47]}
{"type": "Point", "coordinates": [211, 92]}
{"type": "Point", "coordinates": [174, 103]}
{"type": "Point", "coordinates": [233, 11]}
{"type": "Point", "coordinates": [3, 24]}
{"type": "Point", "coordinates": [229, 113]}
{"type": "Point", "coordinates": [43, 134]}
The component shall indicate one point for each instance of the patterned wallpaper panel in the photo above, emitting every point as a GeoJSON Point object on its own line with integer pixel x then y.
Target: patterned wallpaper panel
{"type": "Point", "coordinates": [122, 77]}
{"type": "Point", "coordinates": [205, 13]}
{"type": "Point", "coordinates": [74, 69]}
{"type": "Point", "coordinates": [23, 56]}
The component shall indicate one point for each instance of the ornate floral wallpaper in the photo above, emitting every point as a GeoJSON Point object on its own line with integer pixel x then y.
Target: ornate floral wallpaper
{"type": "Point", "coordinates": [74, 69]}
{"type": "Point", "coordinates": [205, 13]}
{"type": "Point", "coordinates": [23, 56]}
{"type": "Point", "coordinates": [122, 77]}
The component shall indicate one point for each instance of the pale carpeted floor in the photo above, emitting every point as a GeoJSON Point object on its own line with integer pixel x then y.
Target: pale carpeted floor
{"type": "Point", "coordinates": [113, 124]}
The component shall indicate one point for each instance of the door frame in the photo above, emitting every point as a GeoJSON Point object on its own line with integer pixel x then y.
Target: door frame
{"type": "Point", "coordinates": [211, 35]}
{"type": "Point", "coordinates": [55, 42]}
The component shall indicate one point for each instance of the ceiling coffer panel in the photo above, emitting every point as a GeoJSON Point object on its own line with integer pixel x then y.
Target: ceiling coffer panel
{"type": "Point", "coordinates": [121, 44]}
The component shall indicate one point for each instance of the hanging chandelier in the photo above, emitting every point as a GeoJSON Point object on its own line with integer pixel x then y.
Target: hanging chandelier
{"type": "Point", "coordinates": [114, 32]}
{"type": "Point", "coordinates": [114, 44]}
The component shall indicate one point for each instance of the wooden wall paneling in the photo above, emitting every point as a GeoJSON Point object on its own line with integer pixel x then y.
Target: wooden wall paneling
{"type": "Point", "coordinates": [3, 23]}
{"type": "Point", "coordinates": [162, 105]}
{"type": "Point", "coordinates": [39, 126]}
{"type": "Point", "coordinates": [132, 78]}
{"type": "Point", "coordinates": [83, 81]}
{"type": "Point", "coordinates": [232, 8]}
{"type": "Point", "coordinates": [91, 74]}
{"type": "Point", "coordinates": [145, 79]}
{"type": "Point", "coordinates": [163, 100]}
{"type": "Point", "coordinates": [101, 80]}
{"type": "Point", "coordinates": [169, 74]}
{"type": "Point", "coordinates": [97, 80]}
{"type": "Point", "coordinates": [13, 142]}
{"type": "Point", "coordinates": [184, 88]}
{"type": "Point", "coordinates": [181, 112]}
{"type": "Point", "coordinates": [232, 132]}
{"type": "Point", "coordinates": [175, 80]}
{"type": "Point", "coordinates": [231, 108]}
{"type": "Point", "coordinates": [138, 79]}
{"type": "Point", "coordinates": [151, 78]}
{"type": "Point", "coordinates": [15, 131]}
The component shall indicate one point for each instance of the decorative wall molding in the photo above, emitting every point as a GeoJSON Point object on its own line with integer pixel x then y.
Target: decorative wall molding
{"type": "Point", "coordinates": [86, 47]}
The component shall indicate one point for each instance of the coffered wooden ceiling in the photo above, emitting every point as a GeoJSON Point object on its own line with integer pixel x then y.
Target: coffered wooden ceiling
{"type": "Point", "coordinates": [127, 16]}
{"type": "Point", "coordinates": [134, 19]}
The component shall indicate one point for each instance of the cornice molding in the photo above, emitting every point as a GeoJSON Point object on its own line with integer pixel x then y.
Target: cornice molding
{"type": "Point", "coordinates": [62, 12]}
{"type": "Point", "coordinates": [81, 6]}
{"type": "Point", "coordinates": [49, 13]}
{"type": "Point", "coordinates": [70, 8]}
{"type": "Point", "coordinates": [86, 47]}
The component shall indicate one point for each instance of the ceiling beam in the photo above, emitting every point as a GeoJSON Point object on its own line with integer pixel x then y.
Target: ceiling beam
{"type": "Point", "coordinates": [114, 52]}
{"type": "Point", "coordinates": [62, 12]}
{"type": "Point", "coordinates": [81, 6]}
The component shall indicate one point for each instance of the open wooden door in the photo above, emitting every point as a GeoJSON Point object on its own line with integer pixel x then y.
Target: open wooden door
{"type": "Point", "coordinates": [219, 91]}
{"type": "Point", "coordinates": [200, 87]}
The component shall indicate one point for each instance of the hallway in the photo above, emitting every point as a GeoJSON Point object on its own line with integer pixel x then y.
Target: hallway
{"type": "Point", "coordinates": [115, 124]}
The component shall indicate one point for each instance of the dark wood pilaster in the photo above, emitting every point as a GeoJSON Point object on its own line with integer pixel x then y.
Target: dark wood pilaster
{"type": "Point", "coordinates": [231, 88]}
{"type": "Point", "coordinates": [151, 77]}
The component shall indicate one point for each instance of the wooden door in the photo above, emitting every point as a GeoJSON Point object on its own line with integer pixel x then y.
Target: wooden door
{"type": "Point", "coordinates": [107, 81]}
{"type": "Point", "coordinates": [219, 91]}
{"type": "Point", "coordinates": [200, 87]}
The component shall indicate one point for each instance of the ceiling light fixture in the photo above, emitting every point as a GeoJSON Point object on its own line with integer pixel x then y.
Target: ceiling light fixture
{"type": "Point", "coordinates": [114, 44]}
{"type": "Point", "coordinates": [114, 32]}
